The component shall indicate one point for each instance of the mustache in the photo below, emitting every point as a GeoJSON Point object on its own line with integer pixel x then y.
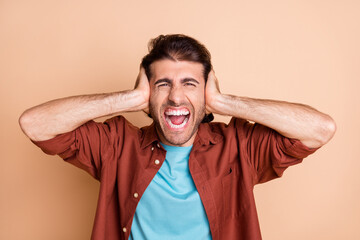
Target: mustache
{"type": "Point", "coordinates": [170, 103]}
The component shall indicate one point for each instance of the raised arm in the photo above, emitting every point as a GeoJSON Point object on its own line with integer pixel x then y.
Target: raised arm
{"type": "Point", "coordinates": [58, 116]}
{"type": "Point", "coordinates": [292, 120]}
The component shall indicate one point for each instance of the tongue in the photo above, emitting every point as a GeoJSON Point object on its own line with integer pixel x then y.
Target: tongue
{"type": "Point", "coordinates": [177, 120]}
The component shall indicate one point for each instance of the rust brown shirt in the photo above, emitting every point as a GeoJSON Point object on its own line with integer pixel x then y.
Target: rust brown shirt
{"type": "Point", "coordinates": [226, 162]}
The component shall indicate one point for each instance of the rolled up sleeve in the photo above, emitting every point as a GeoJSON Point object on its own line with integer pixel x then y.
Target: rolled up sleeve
{"type": "Point", "coordinates": [268, 153]}
{"type": "Point", "coordinates": [87, 147]}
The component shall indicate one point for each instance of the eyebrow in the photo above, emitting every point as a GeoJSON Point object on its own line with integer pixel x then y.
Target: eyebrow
{"type": "Point", "coordinates": [189, 80]}
{"type": "Point", "coordinates": [185, 80]}
{"type": "Point", "coordinates": [162, 80]}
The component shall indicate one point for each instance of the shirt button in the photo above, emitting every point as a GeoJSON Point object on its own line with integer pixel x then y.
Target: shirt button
{"type": "Point", "coordinates": [152, 148]}
{"type": "Point", "coordinates": [124, 229]}
{"type": "Point", "coordinates": [158, 145]}
{"type": "Point", "coordinates": [136, 195]}
{"type": "Point", "coordinates": [157, 162]}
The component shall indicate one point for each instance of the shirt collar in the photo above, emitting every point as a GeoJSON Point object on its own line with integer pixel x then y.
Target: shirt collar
{"type": "Point", "coordinates": [204, 136]}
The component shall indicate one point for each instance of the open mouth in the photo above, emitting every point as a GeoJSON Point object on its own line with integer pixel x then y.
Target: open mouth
{"type": "Point", "coordinates": [177, 118]}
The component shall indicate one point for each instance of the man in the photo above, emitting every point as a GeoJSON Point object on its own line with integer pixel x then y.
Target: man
{"type": "Point", "coordinates": [182, 177]}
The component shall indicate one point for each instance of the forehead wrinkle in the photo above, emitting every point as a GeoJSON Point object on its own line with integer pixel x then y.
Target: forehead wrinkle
{"type": "Point", "coordinates": [174, 70]}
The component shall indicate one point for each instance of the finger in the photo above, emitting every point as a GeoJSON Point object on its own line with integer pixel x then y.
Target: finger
{"type": "Point", "coordinates": [141, 76]}
{"type": "Point", "coordinates": [211, 74]}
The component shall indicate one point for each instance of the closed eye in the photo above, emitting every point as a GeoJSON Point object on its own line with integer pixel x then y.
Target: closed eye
{"type": "Point", "coordinates": [163, 85]}
{"type": "Point", "coordinates": [190, 82]}
{"type": "Point", "coordinates": [163, 82]}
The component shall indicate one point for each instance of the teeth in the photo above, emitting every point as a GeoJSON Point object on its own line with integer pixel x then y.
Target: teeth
{"type": "Point", "coordinates": [177, 126]}
{"type": "Point", "coordinates": [176, 112]}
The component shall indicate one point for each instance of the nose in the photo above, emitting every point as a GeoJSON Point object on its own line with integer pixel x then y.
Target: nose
{"type": "Point", "coordinates": [176, 95]}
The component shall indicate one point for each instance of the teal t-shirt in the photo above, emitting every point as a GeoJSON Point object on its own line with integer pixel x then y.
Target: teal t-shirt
{"type": "Point", "coordinates": [170, 207]}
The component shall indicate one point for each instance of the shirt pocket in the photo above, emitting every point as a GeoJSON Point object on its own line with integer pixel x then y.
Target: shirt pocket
{"type": "Point", "coordinates": [235, 197]}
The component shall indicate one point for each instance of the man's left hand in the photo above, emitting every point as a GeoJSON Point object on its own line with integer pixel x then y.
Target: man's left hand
{"type": "Point", "coordinates": [212, 93]}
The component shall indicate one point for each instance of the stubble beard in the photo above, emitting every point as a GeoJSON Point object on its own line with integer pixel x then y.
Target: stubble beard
{"type": "Point", "coordinates": [173, 138]}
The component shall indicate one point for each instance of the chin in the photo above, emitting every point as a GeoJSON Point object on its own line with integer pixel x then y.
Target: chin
{"type": "Point", "coordinates": [178, 142]}
{"type": "Point", "coordinates": [177, 138]}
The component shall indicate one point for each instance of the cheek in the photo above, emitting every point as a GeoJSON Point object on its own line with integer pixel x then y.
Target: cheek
{"type": "Point", "coordinates": [198, 97]}
{"type": "Point", "coordinates": [198, 102]}
{"type": "Point", "coordinates": [156, 99]}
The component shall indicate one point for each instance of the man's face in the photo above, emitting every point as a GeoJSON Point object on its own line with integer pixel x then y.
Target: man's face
{"type": "Point", "coordinates": [177, 100]}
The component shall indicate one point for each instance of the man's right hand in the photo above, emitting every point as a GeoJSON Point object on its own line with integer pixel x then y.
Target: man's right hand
{"type": "Point", "coordinates": [142, 86]}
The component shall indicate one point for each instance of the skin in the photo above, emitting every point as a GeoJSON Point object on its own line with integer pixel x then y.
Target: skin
{"type": "Point", "coordinates": [292, 120]}
{"type": "Point", "coordinates": [58, 116]}
{"type": "Point", "coordinates": [177, 86]}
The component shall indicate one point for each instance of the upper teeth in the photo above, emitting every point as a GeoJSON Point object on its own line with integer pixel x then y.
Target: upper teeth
{"type": "Point", "coordinates": [177, 112]}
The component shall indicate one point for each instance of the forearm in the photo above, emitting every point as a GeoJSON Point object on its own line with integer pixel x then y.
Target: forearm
{"type": "Point", "coordinates": [292, 120]}
{"type": "Point", "coordinates": [58, 116]}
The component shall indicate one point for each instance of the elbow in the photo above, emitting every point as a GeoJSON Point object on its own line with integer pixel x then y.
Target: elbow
{"type": "Point", "coordinates": [321, 134]}
{"type": "Point", "coordinates": [26, 122]}
{"type": "Point", "coordinates": [35, 127]}
{"type": "Point", "coordinates": [328, 130]}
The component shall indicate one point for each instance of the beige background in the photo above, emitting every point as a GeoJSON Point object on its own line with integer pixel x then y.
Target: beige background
{"type": "Point", "coordinates": [300, 51]}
